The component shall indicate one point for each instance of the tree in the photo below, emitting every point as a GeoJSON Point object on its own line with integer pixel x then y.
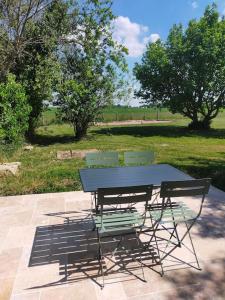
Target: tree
{"type": "Point", "coordinates": [187, 72]}
{"type": "Point", "coordinates": [91, 61]}
{"type": "Point", "coordinates": [39, 70]}
{"type": "Point", "coordinates": [14, 110]}
{"type": "Point", "coordinates": [15, 17]}
{"type": "Point", "coordinates": [31, 33]}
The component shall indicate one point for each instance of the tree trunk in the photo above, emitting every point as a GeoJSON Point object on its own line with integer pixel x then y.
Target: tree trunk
{"type": "Point", "coordinates": [200, 124]}
{"type": "Point", "coordinates": [31, 130]}
{"type": "Point", "coordinates": [80, 130]}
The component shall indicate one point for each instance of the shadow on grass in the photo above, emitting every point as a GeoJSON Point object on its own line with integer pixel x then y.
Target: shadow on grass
{"type": "Point", "coordinates": [50, 139]}
{"type": "Point", "coordinates": [160, 130]}
{"type": "Point", "coordinates": [202, 167]}
{"type": "Point", "coordinates": [169, 131]}
{"type": "Point", "coordinates": [46, 140]}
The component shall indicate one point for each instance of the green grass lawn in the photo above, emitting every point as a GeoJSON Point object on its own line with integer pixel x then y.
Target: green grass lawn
{"type": "Point", "coordinates": [200, 154]}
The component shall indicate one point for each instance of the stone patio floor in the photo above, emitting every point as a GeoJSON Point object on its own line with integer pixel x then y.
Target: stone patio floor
{"type": "Point", "coordinates": [48, 251]}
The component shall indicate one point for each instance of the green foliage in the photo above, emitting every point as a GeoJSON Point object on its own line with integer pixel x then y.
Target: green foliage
{"type": "Point", "coordinates": [91, 61]}
{"type": "Point", "coordinates": [30, 34]}
{"type": "Point", "coordinates": [188, 71]}
{"type": "Point", "coordinates": [14, 110]}
{"type": "Point", "coordinates": [39, 69]}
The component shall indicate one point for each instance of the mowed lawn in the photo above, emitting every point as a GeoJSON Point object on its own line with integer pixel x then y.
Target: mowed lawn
{"type": "Point", "coordinates": [200, 154]}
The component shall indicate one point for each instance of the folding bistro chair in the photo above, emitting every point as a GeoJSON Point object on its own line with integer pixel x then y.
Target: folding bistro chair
{"type": "Point", "coordinates": [139, 158]}
{"type": "Point", "coordinates": [101, 159]}
{"type": "Point", "coordinates": [123, 221]}
{"type": "Point", "coordinates": [171, 213]}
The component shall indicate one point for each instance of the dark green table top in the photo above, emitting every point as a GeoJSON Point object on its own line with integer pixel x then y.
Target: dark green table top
{"type": "Point", "coordinates": [94, 178]}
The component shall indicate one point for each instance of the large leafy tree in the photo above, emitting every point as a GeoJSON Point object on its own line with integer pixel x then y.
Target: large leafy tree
{"type": "Point", "coordinates": [187, 72]}
{"type": "Point", "coordinates": [30, 34]}
{"type": "Point", "coordinates": [92, 60]}
{"type": "Point", "coordinates": [39, 70]}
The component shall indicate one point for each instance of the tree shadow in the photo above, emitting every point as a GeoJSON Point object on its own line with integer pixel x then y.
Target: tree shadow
{"type": "Point", "coordinates": [207, 284]}
{"type": "Point", "coordinates": [203, 167]}
{"type": "Point", "coordinates": [170, 131]}
{"type": "Point", "coordinates": [47, 140]}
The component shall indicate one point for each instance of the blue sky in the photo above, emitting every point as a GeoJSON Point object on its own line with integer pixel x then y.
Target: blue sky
{"type": "Point", "coordinates": [139, 22]}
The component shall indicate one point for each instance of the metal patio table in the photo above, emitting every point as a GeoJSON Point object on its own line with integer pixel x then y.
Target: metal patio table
{"type": "Point", "coordinates": [94, 178]}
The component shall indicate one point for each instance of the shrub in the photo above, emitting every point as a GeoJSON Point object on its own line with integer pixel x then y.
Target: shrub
{"type": "Point", "coordinates": [14, 110]}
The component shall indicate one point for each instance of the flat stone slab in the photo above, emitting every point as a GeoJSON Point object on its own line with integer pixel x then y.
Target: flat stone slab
{"type": "Point", "coordinates": [28, 148]}
{"type": "Point", "coordinates": [81, 153]}
{"type": "Point", "coordinates": [63, 155]}
{"type": "Point", "coordinates": [10, 167]}
{"type": "Point", "coordinates": [69, 154]}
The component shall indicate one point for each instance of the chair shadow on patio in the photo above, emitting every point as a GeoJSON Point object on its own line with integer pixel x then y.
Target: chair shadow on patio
{"type": "Point", "coordinates": [74, 246]}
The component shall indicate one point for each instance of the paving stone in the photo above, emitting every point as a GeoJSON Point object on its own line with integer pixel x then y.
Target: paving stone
{"type": "Point", "coordinates": [9, 261]}
{"type": "Point", "coordinates": [6, 286]}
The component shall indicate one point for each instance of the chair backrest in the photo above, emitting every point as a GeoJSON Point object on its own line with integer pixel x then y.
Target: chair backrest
{"type": "Point", "coordinates": [124, 195]}
{"type": "Point", "coordinates": [196, 187]}
{"type": "Point", "coordinates": [108, 159]}
{"type": "Point", "coordinates": [139, 158]}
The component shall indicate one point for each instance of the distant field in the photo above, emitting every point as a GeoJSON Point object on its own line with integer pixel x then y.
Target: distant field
{"type": "Point", "coordinates": [117, 114]}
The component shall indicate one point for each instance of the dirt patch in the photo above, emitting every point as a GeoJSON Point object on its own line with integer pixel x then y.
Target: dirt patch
{"type": "Point", "coordinates": [132, 122]}
{"type": "Point", "coordinates": [73, 153]}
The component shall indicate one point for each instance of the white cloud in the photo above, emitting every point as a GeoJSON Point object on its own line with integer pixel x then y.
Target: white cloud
{"type": "Point", "coordinates": [132, 35]}
{"type": "Point", "coordinates": [194, 4]}
{"type": "Point", "coordinates": [154, 37]}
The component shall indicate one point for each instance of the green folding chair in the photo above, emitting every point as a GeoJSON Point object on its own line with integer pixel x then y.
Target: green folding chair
{"type": "Point", "coordinates": [169, 214]}
{"type": "Point", "coordinates": [123, 221]}
{"type": "Point", "coordinates": [139, 158]}
{"type": "Point", "coordinates": [102, 159]}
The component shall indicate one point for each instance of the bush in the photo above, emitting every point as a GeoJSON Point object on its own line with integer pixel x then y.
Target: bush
{"type": "Point", "coordinates": [14, 110]}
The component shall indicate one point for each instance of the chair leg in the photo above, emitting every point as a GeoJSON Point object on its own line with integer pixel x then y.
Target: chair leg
{"type": "Point", "coordinates": [172, 235]}
{"type": "Point", "coordinates": [138, 242]}
{"type": "Point", "coordinates": [121, 246]}
{"type": "Point", "coordinates": [100, 257]}
{"type": "Point", "coordinates": [157, 246]}
{"type": "Point", "coordinates": [181, 242]}
{"type": "Point", "coordinates": [192, 244]}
